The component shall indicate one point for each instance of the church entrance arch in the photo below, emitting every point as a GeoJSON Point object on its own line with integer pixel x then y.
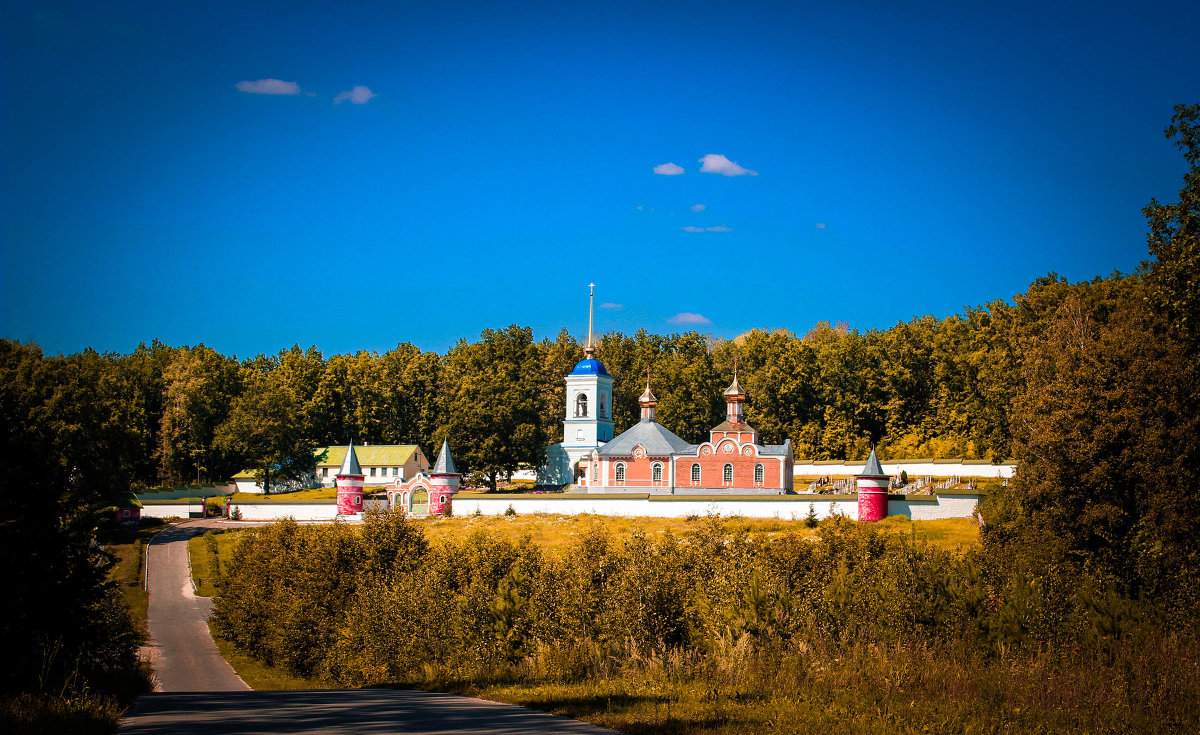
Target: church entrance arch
{"type": "Point", "coordinates": [420, 501]}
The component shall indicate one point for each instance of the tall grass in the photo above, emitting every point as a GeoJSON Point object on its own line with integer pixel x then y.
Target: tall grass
{"type": "Point", "coordinates": [713, 629]}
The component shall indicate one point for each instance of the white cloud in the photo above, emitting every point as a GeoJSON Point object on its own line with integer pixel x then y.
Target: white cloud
{"type": "Point", "coordinates": [692, 228]}
{"type": "Point", "coordinates": [698, 207]}
{"type": "Point", "coordinates": [715, 163]}
{"type": "Point", "coordinates": [820, 225]}
{"type": "Point", "coordinates": [668, 169]}
{"type": "Point", "coordinates": [611, 305]}
{"type": "Point", "coordinates": [269, 86]}
{"type": "Point", "coordinates": [714, 228]}
{"type": "Point", "coordinates": [687, 317]}
{"type": "Point", "coordinates": [360, 95]}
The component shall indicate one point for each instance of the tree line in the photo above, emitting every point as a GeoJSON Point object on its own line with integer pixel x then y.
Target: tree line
{"type": "Point", "coordinates": [926, 387]}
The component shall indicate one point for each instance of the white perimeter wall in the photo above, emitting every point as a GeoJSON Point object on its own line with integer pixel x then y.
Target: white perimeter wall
{"type": "Point", "coordinates": [276, 511]}
{"type": "Point", "coordinates": [795, 507]}
{"type": "Point", "coordinates": [914, 469]}
{"type": "Point", "coordinates": [173, 510]}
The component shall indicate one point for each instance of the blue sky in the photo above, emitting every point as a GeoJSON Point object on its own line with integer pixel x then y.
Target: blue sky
{"type": "Point", "coordinates": [434, 169]}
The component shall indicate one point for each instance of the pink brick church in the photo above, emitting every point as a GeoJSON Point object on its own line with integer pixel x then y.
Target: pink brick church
{"type": "Point", "coordinates": [648, 457]}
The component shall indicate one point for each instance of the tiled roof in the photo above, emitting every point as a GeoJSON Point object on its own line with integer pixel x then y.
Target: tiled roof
{"type": "Point", "coordinates": [776, 450]}
{"type": "Point", "coordinates": [656, 439]}
{"type": "Point", "coordinates": [733, 426]}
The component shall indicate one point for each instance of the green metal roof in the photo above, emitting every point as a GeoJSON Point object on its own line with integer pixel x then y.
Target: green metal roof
{"type": "Point", "coordinates": [368, 455]}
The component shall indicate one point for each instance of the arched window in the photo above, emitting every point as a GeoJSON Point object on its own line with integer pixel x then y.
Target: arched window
{"type": "Point", "coordinates": [581, 406]}
{"type": "Point", "coordinates": [603, 411]}
{"type": "Point", "coordinates": [727, 476]}
{"type": "Point", "coordinates": [696, 473]}
{"type": "Point", "coordinates": [579, 435]}
{"type": "Point", "coordinates": [758, 474]}
{"type": "Point", "coordinates": [656, 472]}
{"type": "Point", "coordinates": [620, 473]}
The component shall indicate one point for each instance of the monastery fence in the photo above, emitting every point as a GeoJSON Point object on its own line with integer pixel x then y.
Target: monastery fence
{"type": "Point", "coordinates": [913, 467]}
{"type": "Point", "coordinates": [786, 507]}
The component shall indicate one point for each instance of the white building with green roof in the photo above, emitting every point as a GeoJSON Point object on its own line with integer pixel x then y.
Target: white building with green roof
{"type": "Point", "coordinates": [381, 464]}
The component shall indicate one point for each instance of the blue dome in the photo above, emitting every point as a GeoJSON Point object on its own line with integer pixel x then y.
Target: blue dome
{"type": "Point", "coordinates": [589, 367]}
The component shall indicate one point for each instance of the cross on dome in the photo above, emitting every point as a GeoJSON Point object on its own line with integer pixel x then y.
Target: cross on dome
{"type": "Point", "coordinates": [647, 400]}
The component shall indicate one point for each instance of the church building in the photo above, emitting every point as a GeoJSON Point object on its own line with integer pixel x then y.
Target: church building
{"type": "Point", "coordinates": [649, 458]}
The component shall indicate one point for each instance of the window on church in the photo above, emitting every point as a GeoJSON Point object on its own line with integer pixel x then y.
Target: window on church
{"type": "Point", "coordinates": [372, 472]}
{"type": "Point", "coordinates": [603, 412]}
{"type": "Point", "coordinates": [324, 472]}
{"type": "Point", "coordinates": [727, 476]}
{"type": "Point", "coordinates": [620, 473]}
{"type": "Point", "coordinates": [656, 472]}
{"type": "Point", "coordinates": [596, 471]}
{"type": "Point", "coordinates": [579, 435]}
{"type": "Point", "coordinates": [696, 473]}
{"type": "Point", "coordinates": [581, 406]}
{"type": "Point", "coordinates": [395, 471]}
{"type": "Point", "coordinates": [758, 474]}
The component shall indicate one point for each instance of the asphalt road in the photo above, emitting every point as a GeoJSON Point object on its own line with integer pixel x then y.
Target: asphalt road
{"type": "Point", "coordinates": [182, 652]}
{"type": "Point", "coordinates": [198, 693]}
{"type": "Point", "coordinates": [339, 711]}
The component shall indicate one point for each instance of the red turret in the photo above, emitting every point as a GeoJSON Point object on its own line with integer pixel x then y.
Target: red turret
{"type": "Point", "coordinates": [350, 480]}
{"type": "Point", "coordinates": [872, 491]}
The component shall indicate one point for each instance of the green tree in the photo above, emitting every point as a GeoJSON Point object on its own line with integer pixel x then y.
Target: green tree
{"type": "Point", "coordinates": [491, 405]}
{"type": "Point", "coordinates": [1174, 236]}
{"type": "Point", "coordinates": [265, 430]}
{"type": "Point", "coordinates": [557, 359]}
{"type": "Point", "coordinates": [199, 385]}
{"type": "Point", "coordinates": [67, 434]}
{"type": "Point", "coordinates": [410, 383]}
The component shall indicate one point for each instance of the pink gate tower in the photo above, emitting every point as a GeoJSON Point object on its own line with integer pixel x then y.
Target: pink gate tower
{"type": "Point", "coordinates": [350, 481]}
{"type": "Point", "coordinates": [443, 481]}
{"type": "Point", "coordinates": [872, 491]}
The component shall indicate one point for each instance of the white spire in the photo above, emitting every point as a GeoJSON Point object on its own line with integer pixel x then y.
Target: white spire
{"type": "Point", "coordinates": [588, 349]}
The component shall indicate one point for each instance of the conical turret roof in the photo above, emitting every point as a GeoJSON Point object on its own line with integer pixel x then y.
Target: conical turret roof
{"type": "Point", "coordinates": [445, 463]}
{"type": "Point", "coordinates": [350, 465]}
{"type": "Point", "coordinates": [873, 468]}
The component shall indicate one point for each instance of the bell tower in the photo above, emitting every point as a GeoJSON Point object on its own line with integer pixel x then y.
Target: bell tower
{"type": "Point", "coordinates": [587, 422]}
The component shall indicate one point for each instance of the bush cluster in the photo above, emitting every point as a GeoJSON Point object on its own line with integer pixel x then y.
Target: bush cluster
{"type": "Point", "coordinates": [380, 605]}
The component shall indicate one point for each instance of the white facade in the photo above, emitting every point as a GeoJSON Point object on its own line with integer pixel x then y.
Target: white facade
{"type": "Point", "coordinates": [588, 418]}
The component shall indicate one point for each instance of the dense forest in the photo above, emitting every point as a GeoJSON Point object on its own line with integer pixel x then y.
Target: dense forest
{"type": "Point", "coordinates": [1092, 386]}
